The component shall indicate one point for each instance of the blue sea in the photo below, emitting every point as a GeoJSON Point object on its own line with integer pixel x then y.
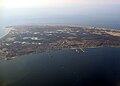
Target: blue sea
{"type": "Point", "coordinates": [95, 67]}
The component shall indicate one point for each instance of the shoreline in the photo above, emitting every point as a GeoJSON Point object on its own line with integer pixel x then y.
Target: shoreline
{"type": "Point", "coordinates": [6, 31]}
{"type": "Point", "coordinates": [47, 51]}
{"type": "Point", "coordinates": [13, 43]}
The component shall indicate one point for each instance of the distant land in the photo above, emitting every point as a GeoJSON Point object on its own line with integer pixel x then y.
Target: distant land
{"type": "Point", "coordinates": [37, 38]}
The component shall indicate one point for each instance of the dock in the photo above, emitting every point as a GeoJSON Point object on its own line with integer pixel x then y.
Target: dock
{"type": "Point", "coordinates": [77, 49]}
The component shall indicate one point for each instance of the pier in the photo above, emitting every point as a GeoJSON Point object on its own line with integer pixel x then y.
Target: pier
{"type": "Point", "coordinates": [77, 49]}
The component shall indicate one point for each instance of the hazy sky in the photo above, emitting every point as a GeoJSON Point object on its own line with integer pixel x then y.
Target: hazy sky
{"type": "Point", "coordinates": [61, 10]}
{"type": "Point", "coordinates": [54, 3]}
{"type": "Point", "coordinates": [60, 7]}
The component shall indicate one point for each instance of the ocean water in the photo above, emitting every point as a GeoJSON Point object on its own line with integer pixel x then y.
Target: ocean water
{"type": "Point", "coordinates": [82, 20]}
{"type": "Point", "coordinates": [95, 67]}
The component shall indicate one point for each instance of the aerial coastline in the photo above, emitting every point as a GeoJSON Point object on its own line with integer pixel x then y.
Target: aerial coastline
{"type": "Point", "coordinates": [26, 39]}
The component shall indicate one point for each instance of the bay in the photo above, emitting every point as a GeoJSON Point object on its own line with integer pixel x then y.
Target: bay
{"type": "Point", "coordinates": [95, 67]}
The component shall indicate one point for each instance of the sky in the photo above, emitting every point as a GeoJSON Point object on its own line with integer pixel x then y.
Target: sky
{"type": "Point", "coordinates": [96, 10]}
{"type": "Point", "coordinates": [54, 3]}
{"type": "Point", "coordinates": [63, 6]}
